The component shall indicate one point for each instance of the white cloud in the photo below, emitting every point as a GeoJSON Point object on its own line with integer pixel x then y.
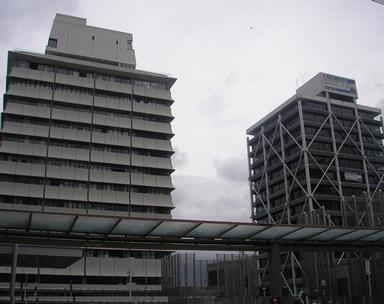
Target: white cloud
{"type": "Point", "coordinates": [229, 75]}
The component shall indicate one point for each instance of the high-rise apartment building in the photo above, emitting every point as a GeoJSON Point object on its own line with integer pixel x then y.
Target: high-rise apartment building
{"type": "Point", "coordinates": [85, 132]}
{"type": "Point", "coordinates": [318, 158]}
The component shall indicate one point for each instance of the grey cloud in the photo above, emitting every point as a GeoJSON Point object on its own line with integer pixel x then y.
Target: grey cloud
{"type": "Point", "coordinates": [26, 24]}
{"type": "Point", "coordinates": [217, 101]}
{"type": "Point", "coordinates": [213, 106]}
{"type": "Point", "coordinates": [232, 168]}
{"type": "Point", "coordinates": [20, 16]}
{"type": "Point", "coordinates": [179, 159]}
{"type": "Point", "coordinates": [230, 80]}
{"type": "Point", "coordinates": [198, 197]}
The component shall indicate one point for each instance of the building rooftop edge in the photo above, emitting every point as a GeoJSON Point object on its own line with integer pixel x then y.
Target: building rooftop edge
{"type": "Point", "coordinates": [298, 96]}
{"type": "Point", "coordinates": [321, 82]}
{"type": "Point", "coordinates": [84, 62]}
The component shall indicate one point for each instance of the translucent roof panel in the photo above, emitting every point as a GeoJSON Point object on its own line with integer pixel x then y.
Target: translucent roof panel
{"type": "Point", "coordinates": [86, 224]}
{"type": "Point", "coordinates": [173, 229]}
{"type": "Point", "coordinates": [135, 227]}
{"type": "Point", "coordinates": [209, 230]}
{"type": "Point", "coordinates": [374, 237]}
{"type": "Point", "coordinates": [275, 232]}
{"type": "Point", "coordinates": [332, 234]}
{"type": "Point", "coordinates": [243, 231]}
{"type": "Point", "coordinates": [304, 233]}
{"type": "Point", "coordinates": [16, 220]}
{"type": "Point", "coordinates": [52, 222]}
{"type": "Point", "coordinates": [356, 235]}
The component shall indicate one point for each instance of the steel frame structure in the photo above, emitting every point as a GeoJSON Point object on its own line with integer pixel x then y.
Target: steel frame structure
{"type": "Point", "coordinates": [259, 186]}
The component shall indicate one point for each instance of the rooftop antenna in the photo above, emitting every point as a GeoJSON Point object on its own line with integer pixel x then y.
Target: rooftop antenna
{"type": "Point", "coordinates": [297, 83]}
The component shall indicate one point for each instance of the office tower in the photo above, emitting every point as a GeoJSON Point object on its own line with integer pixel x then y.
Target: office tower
{"type": "Point", "coordinates": [85, 132]}
{"type": "Point", "coordinates": [318, 159]}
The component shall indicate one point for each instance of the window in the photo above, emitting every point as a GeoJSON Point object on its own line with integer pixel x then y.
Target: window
{"type": "Point", "coordinates": [52, 42]}
{"type": "Point", "coordinates": [33, 66]}
{"type": "Point", "coordinates": [129, 44]}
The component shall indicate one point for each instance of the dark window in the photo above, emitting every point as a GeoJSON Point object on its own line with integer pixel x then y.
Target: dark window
{"type": "Point", "coordinates": [34, 66]}
{"type": "Point", "coordinates": [52, 42]}
{"type": "Point", "coordinates": [82, 74]}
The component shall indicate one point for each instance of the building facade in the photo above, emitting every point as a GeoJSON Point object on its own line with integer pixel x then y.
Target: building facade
{"type": "Point", "coordinates": [318, 159]}
{"type": "Point", "coordinates": [85, 132]}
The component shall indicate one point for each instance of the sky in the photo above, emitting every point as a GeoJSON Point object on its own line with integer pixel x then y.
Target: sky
{"type": "Point", "coordinates": [235, 61]}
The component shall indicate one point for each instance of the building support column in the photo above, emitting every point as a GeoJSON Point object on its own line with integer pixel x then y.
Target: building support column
{"type": "Point", "coordinates": [13, 275]}
{"type": "Point", "coordinates": [274, 271]}
{"type": "Point", "coordinates": [286, 187]}
{"type": "Point", "coordinates": [361, 141]}
{"type": "Point", "coordinates": [270, 219]}
{"type": "Point", "coordinates": [334, 147]}
{"type": "Point", "coordinates": [306, 162]}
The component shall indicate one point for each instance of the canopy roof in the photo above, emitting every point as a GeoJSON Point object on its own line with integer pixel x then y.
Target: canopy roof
{"type": "Point", "coordinates": [148, 230]}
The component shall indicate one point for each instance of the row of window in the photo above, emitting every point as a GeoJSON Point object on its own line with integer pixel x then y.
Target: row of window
{"type": "Point", "coordinates": [66, 280]}
{"type": "Point", "coordinates": [343, 110]}
{"type": "Point", "coordinates": [87, 74]}
{"type": "Point", "coordinates": [314, 105]}
{"type": "Point", "coordinates": [84, 185]}
{"type": "Point", "coordinates": [87, 127]}
{"type": "Point", "coordinates": [83, 205]}
{"type": "Point", "coordinates": [68, 89]}
{"type": "Point", "coordinates": [85, 165]}
{"type": "Point", "coordinates": [85, 146]}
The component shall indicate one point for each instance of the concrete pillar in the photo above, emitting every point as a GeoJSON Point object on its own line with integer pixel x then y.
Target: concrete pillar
{"type": "Point", "coordinates": [274, 271]}
{"type": "Point", "coordinates": [13, 275]}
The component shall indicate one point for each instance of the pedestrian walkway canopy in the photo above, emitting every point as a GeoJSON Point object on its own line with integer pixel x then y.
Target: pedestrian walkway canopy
{"type": "Point", "coordinates": [68, 229]}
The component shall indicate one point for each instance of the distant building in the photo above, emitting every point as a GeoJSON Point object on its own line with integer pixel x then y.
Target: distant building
{"type": "Point", "coordinates": [318, 159]}
{"type": "Point", "coordinates": [83, 131]}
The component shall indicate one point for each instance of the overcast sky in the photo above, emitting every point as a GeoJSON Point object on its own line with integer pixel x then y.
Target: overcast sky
{"type": "Point", "coordinates": [235, 61]}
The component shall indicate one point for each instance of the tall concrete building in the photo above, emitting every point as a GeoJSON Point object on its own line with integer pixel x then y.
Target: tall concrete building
{"type": "Point", "coordinates": [85, 132]}
{"type": "Point", "coordinates": [318, 159]}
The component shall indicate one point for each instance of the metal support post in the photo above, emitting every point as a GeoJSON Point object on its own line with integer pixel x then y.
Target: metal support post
{"type": "Point", "coordinates": [381, 202]}
{"type": "Point", "coordinates": [362, 151]}
{"type": "Point", "coordinates": [274, 271]}
{"type": "Point", "coordinates": [334, 146]}
{"type": "Point", "coordinates": [13, 275]}
{"type": "Point", "coordinates": [306, 163]}
{"type": "Point", "coordinates": [270, 220]}
{"type": "Point", "coordinates": [356, 211]}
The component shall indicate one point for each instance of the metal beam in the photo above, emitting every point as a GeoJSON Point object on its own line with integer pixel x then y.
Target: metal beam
{"type": "Point", "coordinates": [13, 275]}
